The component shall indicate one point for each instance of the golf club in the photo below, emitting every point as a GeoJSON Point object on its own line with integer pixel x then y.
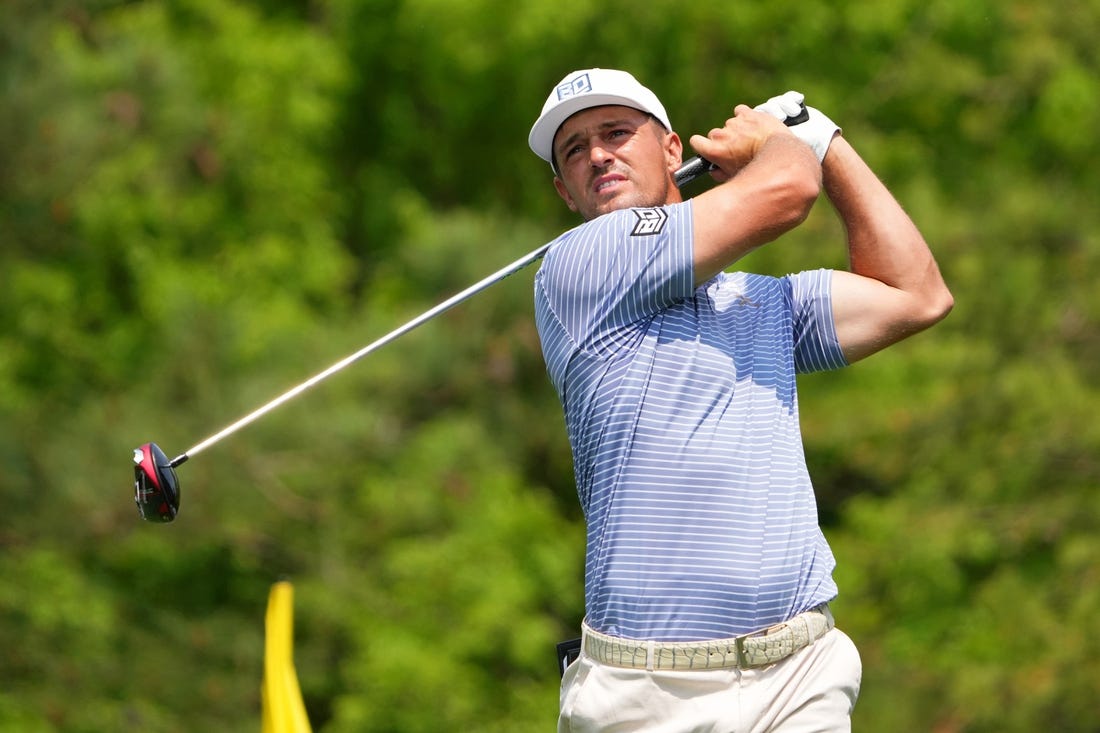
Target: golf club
{"type": "Point", "coordinates": [156, 487]}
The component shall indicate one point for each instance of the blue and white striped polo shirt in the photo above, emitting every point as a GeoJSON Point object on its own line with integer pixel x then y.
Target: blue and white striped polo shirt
{"type": "Point", "coordinates": [682, 414]}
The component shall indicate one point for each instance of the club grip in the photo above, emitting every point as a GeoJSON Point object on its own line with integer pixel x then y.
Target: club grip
{"type": "Point", "coordinates": [802, 116]}
{"type": "Point", "coordinates": [692, 169]}
{"type": "Point", "coordinates": [699, 165]}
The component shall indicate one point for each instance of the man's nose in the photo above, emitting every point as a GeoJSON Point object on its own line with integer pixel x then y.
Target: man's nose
{"type": "Point", "coordinates": [599, 156]}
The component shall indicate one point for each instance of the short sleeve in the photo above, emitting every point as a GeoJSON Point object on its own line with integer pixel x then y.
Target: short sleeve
{"type": "Point", "coordinates": [816, 346]}
{"type": "Point", "coordinates": [616, 271]}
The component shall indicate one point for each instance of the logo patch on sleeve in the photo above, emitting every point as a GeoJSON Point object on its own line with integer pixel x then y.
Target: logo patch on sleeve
{"type": "Point", "coordinates": [650, 221]}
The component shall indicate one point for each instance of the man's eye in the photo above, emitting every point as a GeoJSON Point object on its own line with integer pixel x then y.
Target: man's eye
{"type": "Point", "coordinates": [572, 151]}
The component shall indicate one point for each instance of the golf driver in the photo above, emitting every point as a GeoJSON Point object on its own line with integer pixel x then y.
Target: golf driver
{"type": "Point", "coordinates": [156, 487]}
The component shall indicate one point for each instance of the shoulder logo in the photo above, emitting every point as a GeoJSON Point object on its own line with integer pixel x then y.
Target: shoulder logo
{"type": "Point", "coordinates": [650, 221]}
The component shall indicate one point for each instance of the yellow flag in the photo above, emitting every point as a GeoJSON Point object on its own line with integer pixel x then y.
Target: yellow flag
{"type": "Point", "coordinates": [283, 709]}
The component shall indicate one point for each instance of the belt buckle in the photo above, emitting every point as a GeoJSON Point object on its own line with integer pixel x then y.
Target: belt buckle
{"type": "Point", "coordinates": [739, 651]}
{"type": "Point", "coordinates": [743, 660]}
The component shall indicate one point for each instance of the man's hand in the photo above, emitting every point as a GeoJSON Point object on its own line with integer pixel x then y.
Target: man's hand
{"type": "Point", "coordinates": [769, 182]}
{"type": "Point", "coordinates": [732, 146]}
{"type": "Point", "coordinates": [817, 131]}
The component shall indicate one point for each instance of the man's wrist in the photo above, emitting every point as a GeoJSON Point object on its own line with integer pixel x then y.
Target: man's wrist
{"type": "Point", "coordinates": [816, 130]}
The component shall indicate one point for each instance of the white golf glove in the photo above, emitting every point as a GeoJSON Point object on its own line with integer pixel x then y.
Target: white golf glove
{"type": "Point", "coordinates": [817, 131]}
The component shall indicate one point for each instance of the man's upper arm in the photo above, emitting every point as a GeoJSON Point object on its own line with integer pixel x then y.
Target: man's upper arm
{"type": "Point", "coordinates": [871, 315]}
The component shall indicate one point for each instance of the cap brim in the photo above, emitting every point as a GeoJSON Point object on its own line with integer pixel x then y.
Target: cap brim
{"type": "Point", "coordinates": [541, 138]}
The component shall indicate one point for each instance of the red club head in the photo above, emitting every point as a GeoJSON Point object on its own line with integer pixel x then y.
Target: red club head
{"type": "Point", "coordinates": [156, 488]}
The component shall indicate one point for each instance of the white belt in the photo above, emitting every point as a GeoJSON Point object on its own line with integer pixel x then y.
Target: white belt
{"type": "Point", "coordinates": [757, 649]}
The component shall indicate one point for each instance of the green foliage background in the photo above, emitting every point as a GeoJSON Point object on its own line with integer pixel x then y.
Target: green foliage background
{"type": "Point", "coordinates": [204, 202]}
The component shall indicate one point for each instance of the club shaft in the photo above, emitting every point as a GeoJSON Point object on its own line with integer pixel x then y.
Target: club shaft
{"type": "Point", "coordinates": [691, 170]}
{"type": "Point", "coordinates": [373, 346]}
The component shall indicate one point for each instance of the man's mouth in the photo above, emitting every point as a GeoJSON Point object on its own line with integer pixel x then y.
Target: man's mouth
{"type": "Point", "coordinates": [604, 182]}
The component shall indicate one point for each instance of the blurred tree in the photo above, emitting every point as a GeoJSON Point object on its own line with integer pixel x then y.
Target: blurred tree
{"type": "Point", "coordinates": [204, 202]}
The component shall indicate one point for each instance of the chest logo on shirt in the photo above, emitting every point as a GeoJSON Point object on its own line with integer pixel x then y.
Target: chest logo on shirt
{"type": "Point", "coordinates": [650, 221]}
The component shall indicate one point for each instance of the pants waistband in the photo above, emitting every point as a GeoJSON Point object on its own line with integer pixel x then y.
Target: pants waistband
{"type": "Point", "coordinates": [758, 649]}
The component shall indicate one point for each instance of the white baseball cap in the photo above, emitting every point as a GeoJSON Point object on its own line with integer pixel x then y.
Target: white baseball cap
{"type": "Point", "coordinates": [585, 89]}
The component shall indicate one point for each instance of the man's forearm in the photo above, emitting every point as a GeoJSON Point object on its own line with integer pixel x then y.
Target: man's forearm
{"type": "Point", "coordinates": [895, 288]}
{"type": "Point", "coordinates": [883, 242]}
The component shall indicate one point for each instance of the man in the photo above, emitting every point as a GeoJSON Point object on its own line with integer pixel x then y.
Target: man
{"type": "Point", "coordinates": [707, 577]}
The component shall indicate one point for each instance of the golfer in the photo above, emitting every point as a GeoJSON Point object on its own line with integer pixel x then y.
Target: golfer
{"type": "Point", "coordinates": [707, 576]}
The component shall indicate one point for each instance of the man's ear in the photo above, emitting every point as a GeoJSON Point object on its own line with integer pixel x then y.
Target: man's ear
{"type": "Point", "coordinates": [559, 186]}
{"type": "Point", "coordinates": [674, 152]}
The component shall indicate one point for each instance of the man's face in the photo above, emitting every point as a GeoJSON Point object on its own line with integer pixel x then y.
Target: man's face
{"type": "Point", "coordinates": [613, 158]}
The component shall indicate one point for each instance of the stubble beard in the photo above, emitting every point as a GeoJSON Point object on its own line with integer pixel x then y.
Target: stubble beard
{"type": "Point", "coordinates": [630, 200]}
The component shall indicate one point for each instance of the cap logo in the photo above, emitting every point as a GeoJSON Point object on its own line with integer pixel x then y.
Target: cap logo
{"type": "Point", "coordinates": [577, 85]}
{"type": "Point", "coordinates": [650, 221]}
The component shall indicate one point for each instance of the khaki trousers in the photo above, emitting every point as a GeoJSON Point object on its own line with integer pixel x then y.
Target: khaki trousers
{"type": "Point", "coordinates": [811, 691]}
